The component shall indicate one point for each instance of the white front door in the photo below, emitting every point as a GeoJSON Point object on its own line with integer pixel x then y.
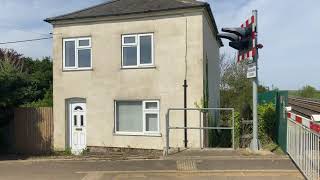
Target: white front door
{"type": "Point", "coordinates": [78, 127]}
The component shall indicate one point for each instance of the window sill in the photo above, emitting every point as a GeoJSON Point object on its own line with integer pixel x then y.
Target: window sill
{"type": "Point", "coordinates": [82, 69]}
{"type": "Point", "coordinates": [142, 67]}
{"type": "Point", "coordinates": [138, 134]}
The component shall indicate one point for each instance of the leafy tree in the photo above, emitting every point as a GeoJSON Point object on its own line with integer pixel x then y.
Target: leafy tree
{"type": "Point", "coordinates": [235, 92]}
{"type": "Point", "coordinates": [40, 77]}
{"type": "Point", "coordinates": [235, 88]}
{"type": "Point", "coordinates": [9, 56]}
{"type": "Point", "coordinates": [23, 82]}
{"type": "Point", "coordinates": [47, 100]}
{"type": "Point", "coordinates": [13, 81]}
{"type": "Point", "coordinates": [307, 92]}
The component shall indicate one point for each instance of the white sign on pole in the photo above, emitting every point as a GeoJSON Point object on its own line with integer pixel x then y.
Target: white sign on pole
{"type": "Point", "coordinates": [252, 72]}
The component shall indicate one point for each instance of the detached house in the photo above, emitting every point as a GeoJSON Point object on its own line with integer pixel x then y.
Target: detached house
{"type": "Point", "coordinates": [120, 65]}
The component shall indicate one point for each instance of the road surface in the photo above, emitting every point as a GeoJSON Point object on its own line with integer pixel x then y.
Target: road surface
{"type": "Point", "coordinates": [170, 169]}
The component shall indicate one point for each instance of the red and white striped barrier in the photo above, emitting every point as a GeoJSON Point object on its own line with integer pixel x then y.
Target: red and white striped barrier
{"type": "Point", "coordinates": [249, 54]}
{"type": "Point", "coordinates": [315, 127]}
{"type": "Point", "coordinates": [303, 145]}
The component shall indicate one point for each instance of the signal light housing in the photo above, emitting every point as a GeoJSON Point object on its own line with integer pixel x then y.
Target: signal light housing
{"type": "Point", "coordinates": [243, 39]}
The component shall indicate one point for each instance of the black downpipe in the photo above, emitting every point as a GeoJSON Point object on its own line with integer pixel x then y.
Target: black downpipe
{"type": "Point", "coordinates": [185, 86]}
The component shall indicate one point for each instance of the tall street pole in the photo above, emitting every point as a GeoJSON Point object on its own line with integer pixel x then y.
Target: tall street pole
{"type": "Point", "coordinates": [255, 84]}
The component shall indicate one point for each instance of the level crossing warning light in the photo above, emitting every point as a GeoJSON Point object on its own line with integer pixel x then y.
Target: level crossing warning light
{"type": "Point", "coordinates": [243, 39]}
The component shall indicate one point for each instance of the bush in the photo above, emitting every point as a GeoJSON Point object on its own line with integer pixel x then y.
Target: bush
{"type": "Point", "coordinates": [45, 102]}
{"type": "Point", "coordinates": [267, 121]}
{"type": "Point", "coordinates": [266, 125]}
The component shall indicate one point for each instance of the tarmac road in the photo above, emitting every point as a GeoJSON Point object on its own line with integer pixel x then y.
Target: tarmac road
{"type": "Point", "coordinates": [203, 169]}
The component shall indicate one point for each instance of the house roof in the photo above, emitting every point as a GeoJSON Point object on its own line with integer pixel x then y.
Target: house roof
{"type": "Point", "coordinates": [127, 7]}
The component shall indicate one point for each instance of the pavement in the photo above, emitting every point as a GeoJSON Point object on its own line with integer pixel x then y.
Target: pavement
{"type": "Point", "coordinates": [188, 165]}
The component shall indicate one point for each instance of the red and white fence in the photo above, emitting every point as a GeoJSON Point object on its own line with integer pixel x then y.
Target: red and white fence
{"type": "Point", "coordinates": [303, 145]}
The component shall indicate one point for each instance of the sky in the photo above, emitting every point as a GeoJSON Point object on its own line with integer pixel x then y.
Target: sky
{"type": "Point", "coordinates": [286, 28]}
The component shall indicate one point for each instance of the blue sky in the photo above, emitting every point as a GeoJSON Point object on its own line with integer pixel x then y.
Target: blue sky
{"type": "Point", "coordinates": [287, 29]}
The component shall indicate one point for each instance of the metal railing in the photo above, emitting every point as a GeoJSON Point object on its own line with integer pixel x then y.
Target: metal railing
{"type": "Point", "coordinates": [303, 148]}
{"type": "Point", "coordinates": [168, 127]}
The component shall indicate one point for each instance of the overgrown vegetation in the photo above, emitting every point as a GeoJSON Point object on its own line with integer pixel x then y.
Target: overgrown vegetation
{"type": "Point", "coordinates": [266, 122]}
{"type": "Point", "coordinates": [24, 81]}
{"type": "Point", "coordinates": [236, 92]}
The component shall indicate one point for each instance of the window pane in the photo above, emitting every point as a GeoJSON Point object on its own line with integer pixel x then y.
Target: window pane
{"type": "Point", "coordinates": [75, 120]}
{"type": "Point", "coordinates": [69, 54]}
{"type": "Point", "coordinates": [145, 50]}
{"type": "Point", "coordinates": [130, 56]}
{"type": "Point", "coordinates": [84, 56]}
{"type": "Point", "coordinates": [81, 120]}
{"type": "Point", "coordinates": [129, 116]}
{"type": "Point", "coordinates": [151, 122]}
{"type": "Point", "coordinates": [151, 105]}
{"type": "Point", "coordinates": [84, 42]}
{"type": "Point", "coordinates": [130, 40]}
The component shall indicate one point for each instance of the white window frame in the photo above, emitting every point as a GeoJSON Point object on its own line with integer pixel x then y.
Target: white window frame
{"type": "Point", "coordinates": [144, 113]}
{"type": "Point", "coordinates": [77, 48]}
{"type": "Point", "coordinates": [137, 44]}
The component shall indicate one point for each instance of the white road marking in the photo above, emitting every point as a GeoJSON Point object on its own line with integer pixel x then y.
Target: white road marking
{"type": "Point", "coordinates": [94, 175]}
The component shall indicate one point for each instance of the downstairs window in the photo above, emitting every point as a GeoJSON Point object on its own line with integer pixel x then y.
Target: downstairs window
{"type": "Point", "coordinates": [137, 117]}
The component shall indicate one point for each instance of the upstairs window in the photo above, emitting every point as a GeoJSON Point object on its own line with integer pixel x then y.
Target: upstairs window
{"type": "Point", "coordinates": [137, 50]}
{"type": "Point", "coordinates": [77, 54]}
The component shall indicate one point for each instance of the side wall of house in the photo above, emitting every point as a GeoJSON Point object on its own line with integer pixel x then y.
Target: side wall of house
{"type": "Point", "coordinates": [107, 82]}
{"type": "Point", "coordinates": [211, 55]}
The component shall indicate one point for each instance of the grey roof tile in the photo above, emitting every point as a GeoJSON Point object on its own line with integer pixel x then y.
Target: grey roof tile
{"type": "Point", "coordinates": [122, 7]}
{"type": "Point", "coordinates": [126, 7]}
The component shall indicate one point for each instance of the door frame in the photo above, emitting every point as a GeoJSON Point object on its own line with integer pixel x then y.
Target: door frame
{"type": "Point", "coordinates": [69, 103]}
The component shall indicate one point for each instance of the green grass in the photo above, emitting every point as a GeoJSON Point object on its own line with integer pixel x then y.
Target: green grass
{"type": "Point", "coordinates": [272, 147]}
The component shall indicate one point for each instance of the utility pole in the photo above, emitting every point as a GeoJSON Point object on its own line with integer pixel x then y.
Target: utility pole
{"type": "Point", "coordinates": [255, 84]}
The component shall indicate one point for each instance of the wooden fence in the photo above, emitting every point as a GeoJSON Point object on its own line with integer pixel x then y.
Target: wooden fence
{"type": "Point", "coordinates": [33, 130]}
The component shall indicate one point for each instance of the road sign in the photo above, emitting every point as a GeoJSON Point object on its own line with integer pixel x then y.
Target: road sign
{"type": "Point", "coordinates": [252, 71]}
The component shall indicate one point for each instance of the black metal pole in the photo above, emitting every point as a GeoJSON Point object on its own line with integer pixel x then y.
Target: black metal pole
{"type": "Point", "coordinates": [185, 86]}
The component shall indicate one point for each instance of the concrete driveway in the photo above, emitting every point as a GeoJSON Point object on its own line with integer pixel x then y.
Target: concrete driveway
{"type": "Point", "coordinates": [231, 168]}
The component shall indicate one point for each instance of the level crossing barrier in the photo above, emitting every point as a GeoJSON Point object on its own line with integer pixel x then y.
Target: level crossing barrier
{"type": "Point", "coordinates": [303, 143]}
